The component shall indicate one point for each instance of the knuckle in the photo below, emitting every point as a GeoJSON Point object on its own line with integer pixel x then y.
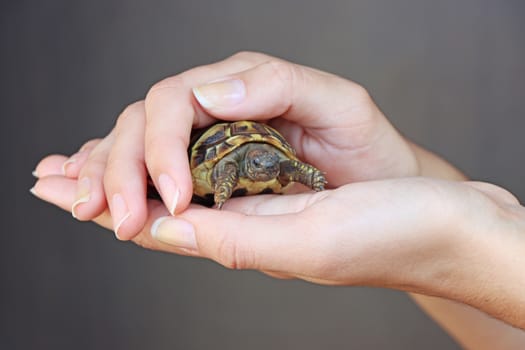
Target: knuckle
{"type": "Point", "coordinates": [249, 56]}
{"type": "Point", "coordinates": [142, 241]}
{"type": "Point", "coordinates": [129, 114]}
{"type": "Point", "coordinates": [173, 82]}
{"type": "Point", "coordinates": [134, 108]}
{"type": "Point", "coordinates": [163, 90]}
{"type": "Point", "coordinates": [90, 144]}
{"type": "Point", "coordinates": [227, 253]}
{"type": "Point", "coordinates": [358, 92]}
{"type": "Point", "coordinates": [287, 77]}
{"type": "Point", "coordinates": [231, 255]}
{"type": "Point", "coordinates": [93, 166]}
{"type": "Point", "coordinates": [282, 70]}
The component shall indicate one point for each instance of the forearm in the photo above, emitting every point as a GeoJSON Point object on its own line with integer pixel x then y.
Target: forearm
{"type": "Point", "coordinates": [430, 165]}
{"type": "Point", "coordinates": [491, 279]}
{"type": "Point", "coordinates": [469, 326]}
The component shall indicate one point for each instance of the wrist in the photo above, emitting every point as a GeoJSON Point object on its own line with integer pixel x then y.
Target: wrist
{"type": "Point", "coordinates": [431, 165]}
{"type": "Point", "coordinates": [486, 264]}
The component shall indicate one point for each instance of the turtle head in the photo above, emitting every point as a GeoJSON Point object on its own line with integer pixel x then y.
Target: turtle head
{"type": "Point", "coordinates": [261, 164]}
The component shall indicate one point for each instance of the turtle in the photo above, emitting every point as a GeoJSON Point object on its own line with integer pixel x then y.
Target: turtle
{"type": "Point", "coordinates": [231, 159]}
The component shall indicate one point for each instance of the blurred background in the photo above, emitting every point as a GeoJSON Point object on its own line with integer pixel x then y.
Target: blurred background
{"type": "Point", "coordinates": [450, 75]}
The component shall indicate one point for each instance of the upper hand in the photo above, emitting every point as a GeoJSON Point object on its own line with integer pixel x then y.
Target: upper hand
{"type": "Point", "coordinates": [332, 122]}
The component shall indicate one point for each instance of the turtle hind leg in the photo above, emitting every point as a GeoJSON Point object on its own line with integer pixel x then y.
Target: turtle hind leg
{"type": "Point", "coordinates": [294, 170]}
{"type": "Point", "coordinates": [226, 175]}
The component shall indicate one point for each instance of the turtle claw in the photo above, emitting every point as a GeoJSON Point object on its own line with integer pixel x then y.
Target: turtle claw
{"type": "Point", "coordinates": [226, 178]}
{"type": "Point", "coordinates": [220, 198]}
{"type": "Point", "coordinates": [319, 181]}
{"type": "Point", "coordinates": [308, 175]}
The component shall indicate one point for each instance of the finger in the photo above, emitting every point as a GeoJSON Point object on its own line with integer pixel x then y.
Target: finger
{"type": "Point", "coordinates": [57, 190]}
{"type": "Point", "coordinates": [90, 199]}
{"type": "Point", "coordinates": [61, 191]}
{"type": "Point", "coordinates": [90, 144]}
{"type": "Point", "coordinates": [50, 165]}
{"type": "Point", "coordinates": [125, 175]}
{"type": "Point", "coordinates": [240, 241]}
{"type": "Point", "coordinates": [171, 112]}
{"type": "Point", "coordinates": [279, 88]}
{"type": "Point", "coordinates": [56, 164]}
{"type": "Point", "coordinates": [71, 167]}
{"type": "Point", "coordinates": [330, 121]}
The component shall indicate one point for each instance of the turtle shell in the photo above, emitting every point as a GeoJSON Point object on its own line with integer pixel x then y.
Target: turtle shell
{"type": "Point", "coordinates": [223, 138]}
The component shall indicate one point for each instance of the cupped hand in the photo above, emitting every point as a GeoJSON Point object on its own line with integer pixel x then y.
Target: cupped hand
{"type": "Point", "coordinates": [385, 232]}
{"type": "Point", "coordinates": [418, 234]}
{"type": "Point", "coordinates": [399, 233]}
{"type": "Point", "coordinates": [332, 122]}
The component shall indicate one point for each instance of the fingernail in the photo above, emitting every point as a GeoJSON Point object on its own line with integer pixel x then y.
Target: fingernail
{"type": "Point", "coordinates": [169, 192]}
{"type": "Point", "coordinates": [174, 231]}
{"type": "Point", "coordinates": [83, 194]}
{"type": "Point", "coordinates": [119, 212]}
{"type": "Point", "coordinates": [33, 191]}
{"type": "Point", "coordinates": [34, 173]}
{"type": "Point", "coordinates": [222, 93]}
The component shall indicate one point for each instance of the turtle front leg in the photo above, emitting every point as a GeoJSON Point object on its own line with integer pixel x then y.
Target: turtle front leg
{"type": "Point", "coordinates": [294, 170]}
{"type": "Point", "coordinates": [226, 175]}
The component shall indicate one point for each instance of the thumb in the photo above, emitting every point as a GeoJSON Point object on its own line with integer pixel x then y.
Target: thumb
{"type": "Point", "coordinates": [279, 88]}
{"type": "Point", "coordinates": [277, 243]}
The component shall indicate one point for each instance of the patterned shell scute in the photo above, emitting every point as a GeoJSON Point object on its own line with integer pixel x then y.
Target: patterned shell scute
{"type": "Point", "coordinates": [223, 138]}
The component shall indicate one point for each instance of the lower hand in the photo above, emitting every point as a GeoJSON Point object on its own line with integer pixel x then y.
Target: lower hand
{"type": "Point", "coordinates": [368, 233]}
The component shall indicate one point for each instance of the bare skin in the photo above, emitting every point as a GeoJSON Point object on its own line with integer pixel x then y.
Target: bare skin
{"type": "Point", "coordinates": [469, 237]}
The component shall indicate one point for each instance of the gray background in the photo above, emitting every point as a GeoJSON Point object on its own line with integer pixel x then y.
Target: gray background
{"type": "Point", "coordinates": [449, 74]}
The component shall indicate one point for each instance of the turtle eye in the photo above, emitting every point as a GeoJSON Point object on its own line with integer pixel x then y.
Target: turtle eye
{"type": "Point", "coordinates": [256, 162]}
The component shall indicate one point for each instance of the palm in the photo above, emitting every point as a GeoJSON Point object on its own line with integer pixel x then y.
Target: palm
{"type": "Point", "coordinates": [362, 147]}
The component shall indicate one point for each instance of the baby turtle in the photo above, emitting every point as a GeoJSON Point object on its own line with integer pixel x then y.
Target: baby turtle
{"type": "Point", "coordinates": [245, 158]}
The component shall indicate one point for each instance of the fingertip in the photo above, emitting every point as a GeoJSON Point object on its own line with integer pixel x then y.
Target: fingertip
{"type": "Point", "coordinates": [221, 93]}
{"type": "Point", "coordinates": [75, 208]}
{"type": "Point", "coordinates": [73, 165]}
{"type": "Point", "coordinates": [33, 191]}
{"type": "Point", "coordinates": [55, 189]}
{"type": "Point", "coordinates": [261, 92]}
{"type": "Point", "coordinates": [117, 228]}
{"type": "Point", "coordinates": [175, 197]}
{"type": "Point", "coordinates": [128, 223]}
{"type": "Point", "coordinates": [49, 165]}
{"type": "Point", "coordinates": [58, 164]}
{"type": "Point", "coordinates": [171, 176]}
{"type": "Point", "coordinates": [89, 201]}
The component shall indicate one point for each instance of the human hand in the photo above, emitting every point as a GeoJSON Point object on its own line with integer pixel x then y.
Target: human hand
{"type": "Point", "coordinates": [351, 141]}
{"type": "Point", "coordinates": [411, 234]}
{"type": "Point", "coordinates": [332, 122]}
